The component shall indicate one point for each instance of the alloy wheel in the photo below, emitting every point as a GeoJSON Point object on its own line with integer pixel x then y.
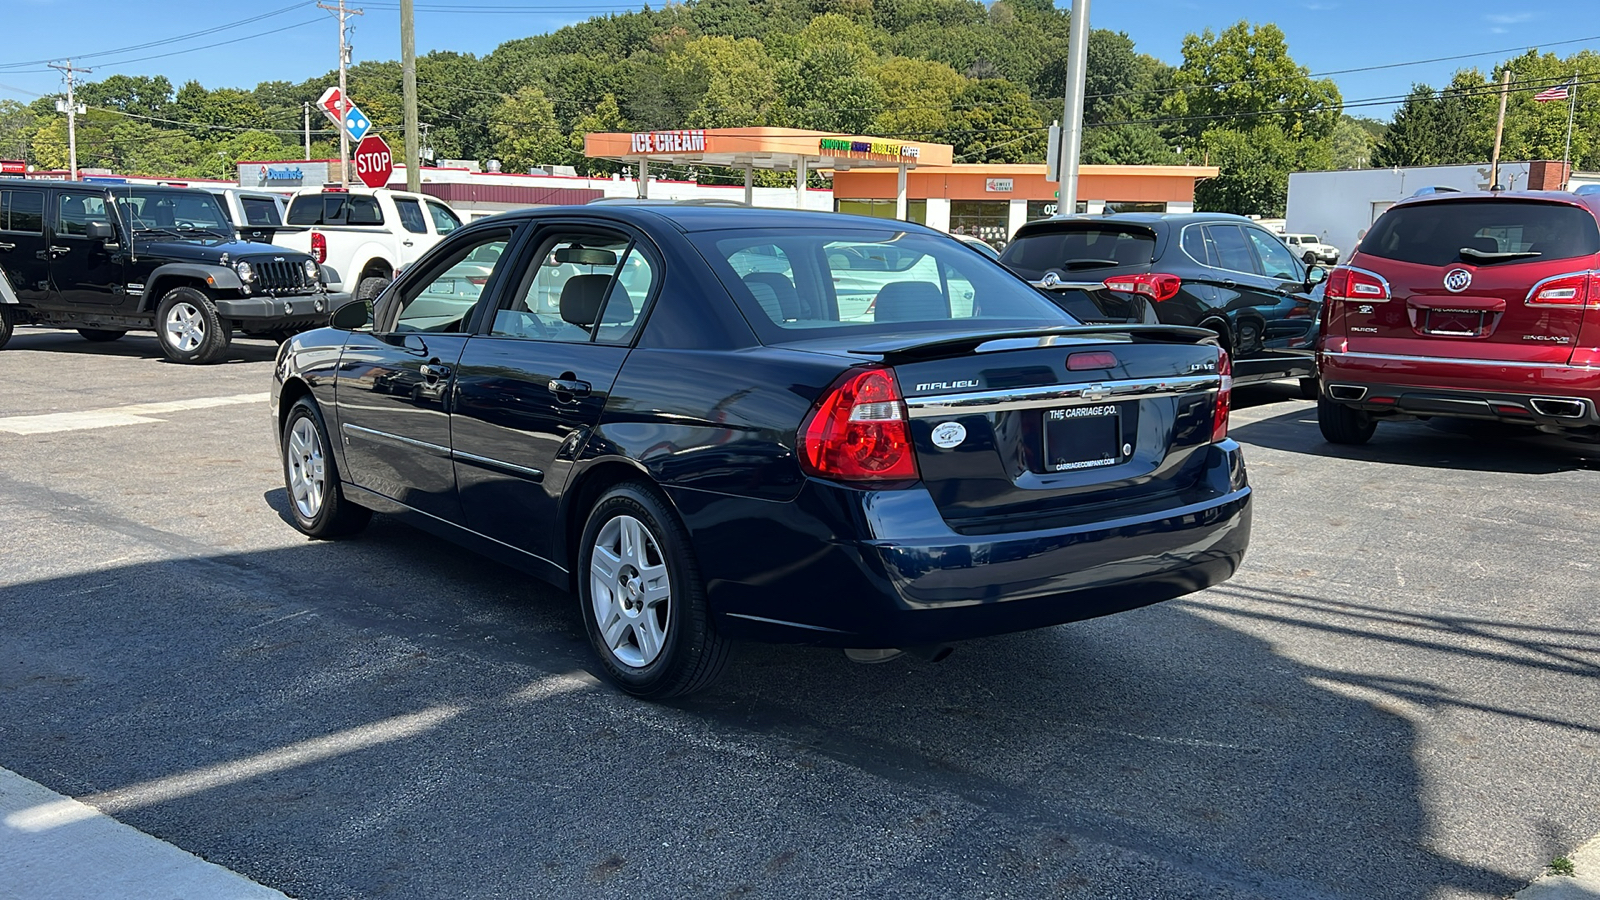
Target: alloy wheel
{"type": "Point", "coordinates": [185, 327]}
{"type": "Point", "coordinates": [630, 591]}
{"type": "Point", "coordinates": [308, 479]}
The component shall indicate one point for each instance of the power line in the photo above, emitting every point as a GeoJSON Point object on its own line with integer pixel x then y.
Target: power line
{"type": "Point", "coordinates": [170, 40]}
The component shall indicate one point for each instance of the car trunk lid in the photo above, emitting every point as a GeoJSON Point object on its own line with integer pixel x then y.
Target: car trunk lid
{"type": "Point", "coordinates": [1019, 431]}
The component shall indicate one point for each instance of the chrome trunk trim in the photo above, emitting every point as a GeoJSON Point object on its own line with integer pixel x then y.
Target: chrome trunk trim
{"type": "Point", "coordinates": [1058, 395]}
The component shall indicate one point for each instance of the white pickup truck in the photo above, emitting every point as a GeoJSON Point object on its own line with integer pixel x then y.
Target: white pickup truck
{"type": "Point", "coordinates": [362, 237]}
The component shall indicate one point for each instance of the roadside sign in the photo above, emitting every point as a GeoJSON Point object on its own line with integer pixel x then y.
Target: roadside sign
{"type": "Point", "coordinates": [356, 123]}
{"type": "Point", "coordinates": [373, 161]}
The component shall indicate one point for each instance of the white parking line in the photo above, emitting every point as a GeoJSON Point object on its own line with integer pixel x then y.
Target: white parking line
{"type": "Point", "coordinates": [101, 857]}
{"type": "Point", "coordinates": [110, 417]}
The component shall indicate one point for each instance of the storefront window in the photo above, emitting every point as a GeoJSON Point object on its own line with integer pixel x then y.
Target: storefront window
{"type": "Point", "coordinates": [916, 210]}
{"type": "Point", "coordinates": [1044, 209]}
{"type": "Point", "coordinates": [987, 220]}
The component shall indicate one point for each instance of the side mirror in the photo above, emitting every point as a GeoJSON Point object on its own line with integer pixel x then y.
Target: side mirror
{"type": "Point", "coordinates": [351, 316]}
{"type": "Point", "coordinates": [100, 231]}
{"type": "Point", "coordinates": [1315, 276]}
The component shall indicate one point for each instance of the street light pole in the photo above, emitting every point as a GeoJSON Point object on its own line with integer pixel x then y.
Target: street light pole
{"type": "Point", "coordinates": [1072, 109]}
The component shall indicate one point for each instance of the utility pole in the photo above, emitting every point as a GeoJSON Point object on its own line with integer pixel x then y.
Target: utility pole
{"type": "Point", "coordinates": [344, 92]}
{"type": "Point", "coordinates": [1072, 110]}
{"type": "Point", "coordinates": [306, 108]}
{"type": "Point", "coordinates": [1499, 129]}
{"type": "Point", "coordinates": [408, 87]}
{"type": "Point", "coordinates": [72, 108]}
{"type": "Point", "coordinates": [1566, 155]}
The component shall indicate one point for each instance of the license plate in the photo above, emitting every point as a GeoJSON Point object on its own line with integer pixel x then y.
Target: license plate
{"type": "Point", "coordinates": [1083, 437]}
{"type": "Point", "coordinates": [1455, 322]}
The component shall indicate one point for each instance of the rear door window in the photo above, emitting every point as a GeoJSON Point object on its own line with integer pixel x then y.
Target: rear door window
{"type": "Point", "coordinates": [306, 209]}
{"type": "Point", "coordinates": [1231, 248]}
{"type": "Point", "coordinates": [411, 215]}
{"type": "Point", "coordinates": [1435, 234]}
{"type": "Point", "coordinates": [1086, 247]}
{"type": "Point", "coordinates": [22, 211]}
{"type": "Point", "coordinates": [259, 211]}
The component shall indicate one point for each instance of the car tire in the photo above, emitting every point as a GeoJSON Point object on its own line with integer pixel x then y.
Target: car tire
{"type": "Point", "coordinates": [643, 602]}
{"type": "Point", "coordinates": [101, 335]}
{"type": "Point", "coordinates": [370, 287]}
{"type": "Point", "coordinates": [1310, 389]}
{"type": "Point", "coordinates": [188, 327]}
{"type": "Point", "coordinates": [1341, 424]}
{"type": "Point", "coordinates": [311, 476]}
{"type": "Point", "coordinates": [8, 325]}
{"type": "Point", "coordinates": [1309, 259]}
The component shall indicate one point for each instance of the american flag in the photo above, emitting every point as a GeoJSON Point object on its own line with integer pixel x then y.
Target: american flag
{"type": "Point", "coordinates": [1559, 92]}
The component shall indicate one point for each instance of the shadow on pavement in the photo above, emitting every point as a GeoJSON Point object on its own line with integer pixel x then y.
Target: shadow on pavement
{"type": "Point", "coordinates": [133, 345]}
{"type": "Point", "coordinates": [1468, 446]}
{"type": "Point", "coordinates": [391, 716]}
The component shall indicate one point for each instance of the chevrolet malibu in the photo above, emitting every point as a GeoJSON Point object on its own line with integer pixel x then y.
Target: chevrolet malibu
{"type": "Point", "coordinates": [672, 413]}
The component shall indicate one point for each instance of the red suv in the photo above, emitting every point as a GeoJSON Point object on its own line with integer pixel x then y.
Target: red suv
{"type": "Point", "coordinates": [1477, 306]}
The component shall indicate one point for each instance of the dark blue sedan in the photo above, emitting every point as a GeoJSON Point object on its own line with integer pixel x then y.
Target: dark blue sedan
{"type": "Point", "coordinates": [717, 424]}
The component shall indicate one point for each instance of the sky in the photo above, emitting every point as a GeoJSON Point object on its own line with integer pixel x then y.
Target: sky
{"type": "Point", "coordinates": [293, 41]}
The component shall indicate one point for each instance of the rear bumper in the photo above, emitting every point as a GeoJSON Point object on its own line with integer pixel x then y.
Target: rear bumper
{"type": "Point", "coordinates": [910, 579]}
{"type": "Point", "coordinates": [1553, 396]}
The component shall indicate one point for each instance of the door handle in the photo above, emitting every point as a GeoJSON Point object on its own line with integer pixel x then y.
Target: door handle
{"type": "Point", "coordinates": [8, 246]}
{"type": "Point", "coordinates": [53, 252]}
{"type": "Point", "coordinates": [406, 243]}
{"type": "Point", "coordinates": [1229, 283]}
{"type": "Point", "coordinates": [569, 387]}
{"type": "Point", "coordinates": [434, 371]}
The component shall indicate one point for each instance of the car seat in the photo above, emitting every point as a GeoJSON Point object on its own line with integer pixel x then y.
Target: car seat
{"type": "Point", "coordinates": [776, 294]}
{"type": "Point", "coordinates": [910, 301]}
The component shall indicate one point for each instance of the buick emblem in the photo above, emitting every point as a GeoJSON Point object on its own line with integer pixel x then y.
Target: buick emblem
{"type": "Point", "coordinates": [1050, 280]}
{"type": "Point", "coordinates": [1456, 280]}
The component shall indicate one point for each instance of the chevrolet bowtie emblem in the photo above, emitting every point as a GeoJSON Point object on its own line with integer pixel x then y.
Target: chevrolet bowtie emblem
{"type": "Point", "coordinates": [1096, 392]}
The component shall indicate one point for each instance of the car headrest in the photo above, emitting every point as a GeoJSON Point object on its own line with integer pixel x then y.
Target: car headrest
{"type": "Point", "coordinates": [781, 291]}
{"type": "Point", "coordinates": [581, 298]}
{"type": "Point", "coordinates": [586, 256]}
{"type": "Point", "coordinates": [910, 301]}
{"type": "Point", "coordinates": [619, 308]}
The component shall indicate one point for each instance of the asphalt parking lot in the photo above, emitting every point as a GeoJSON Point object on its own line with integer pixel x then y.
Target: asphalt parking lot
{"type": "Point", "coordinates": [1397, 697]}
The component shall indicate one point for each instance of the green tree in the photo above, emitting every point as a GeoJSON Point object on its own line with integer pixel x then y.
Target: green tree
{"type": "Point", "coordinates": [526, 134]}
{"type": "Point", "coordinates": [1255, 166]}
{"type": "Point", "coordinates": [605, 117]}
{"type": "Point", "coordinates": [1450, 127]}
{"type": "Point", "coordinates": [1245, 77]}
{"type": "Point", "coordinates": [1351, 145]}
{"type": "Point", "coordinates": [996, 122]}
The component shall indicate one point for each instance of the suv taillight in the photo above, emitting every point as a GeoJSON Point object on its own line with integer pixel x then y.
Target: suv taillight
{"type": "Point", "coordinates": [1219, 419]}
{"type": "Point", "coordinates": [319, 247]}
{"type": "Point", "coordinates": [859, 431]}
{"type": "Point", "coordinates": [1574, 290]}
{"type": "Point", "coordinates": [1158, 286]}
{"type": "Point", "coordinates": [1345, 283]}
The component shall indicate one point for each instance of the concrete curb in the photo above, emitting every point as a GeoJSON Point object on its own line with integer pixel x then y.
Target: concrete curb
{"type": "Point", "coordinates": [1584, 884]}
{"type": "Point", "coordinates": [54, 848]}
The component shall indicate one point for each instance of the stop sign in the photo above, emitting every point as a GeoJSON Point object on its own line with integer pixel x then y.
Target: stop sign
{"type": "Point", "coordinates": [374, 164]}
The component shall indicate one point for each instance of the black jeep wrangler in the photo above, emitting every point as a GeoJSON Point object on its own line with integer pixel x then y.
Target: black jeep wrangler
{"type": "Point", "coordinates": [109, 259]}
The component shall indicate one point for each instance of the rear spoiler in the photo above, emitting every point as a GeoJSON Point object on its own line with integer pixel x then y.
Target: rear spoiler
{"type": "Point", "coordinates": [910, 349]}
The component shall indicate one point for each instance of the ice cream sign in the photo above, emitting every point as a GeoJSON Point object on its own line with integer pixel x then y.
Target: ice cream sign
{"type": "Point", "coordinates": [669, 141]}
{"type": "Point", "coordinates": [869, 149]}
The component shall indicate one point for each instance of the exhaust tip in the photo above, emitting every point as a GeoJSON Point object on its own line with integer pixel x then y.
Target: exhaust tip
{"type": "Point", "coordinates": [1347, 392]}
{"type": "Point", "coordinates": [932, 652]}
{"type": "Point", "coordinates": [872, 655]}
{"type": "Point", "coordinates": [1558, 407]}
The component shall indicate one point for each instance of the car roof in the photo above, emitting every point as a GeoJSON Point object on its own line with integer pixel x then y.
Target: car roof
{"type": "Point", "coordinates": [693, 218]}
{"type": "Point", "coordinates": [1590, 202]}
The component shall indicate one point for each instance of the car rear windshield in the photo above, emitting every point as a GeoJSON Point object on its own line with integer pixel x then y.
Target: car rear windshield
{"type": "Point", "coordinates": [789, 280]}
{"type": "Point", "coordinates": [1079, 247]}
{"type": "Point", "coordinates": [1435, 234]}
{"type": "Point", "coordinates": [338, 208]}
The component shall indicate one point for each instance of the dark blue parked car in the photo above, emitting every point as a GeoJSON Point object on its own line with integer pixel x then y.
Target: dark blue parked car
{"type": "Point", "coordinates": [716, 424]}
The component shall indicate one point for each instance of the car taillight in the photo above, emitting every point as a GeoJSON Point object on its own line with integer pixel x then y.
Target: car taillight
{"type": "Point", "coordinates": [477, 280]}
{"type": "Point", "coordinates": [859, 431]}
{"type": "Point", "coordinates": [1577, 289]}
{"type": "Point", "coordinates": [319, 247]}
{"type": "Point", "coordinates": [1219, 419]}
{"type": "Point", "coordinates": [1345, 283]}
{"type": "Point", "coordinates": [1158, 286]}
